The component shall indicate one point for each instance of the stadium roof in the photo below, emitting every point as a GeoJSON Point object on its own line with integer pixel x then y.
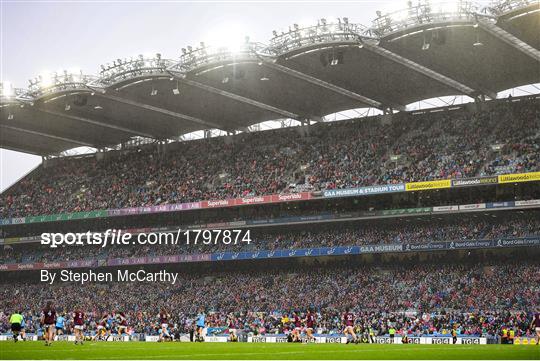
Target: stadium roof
{"type": "Point", "coordinates": [418, 53]}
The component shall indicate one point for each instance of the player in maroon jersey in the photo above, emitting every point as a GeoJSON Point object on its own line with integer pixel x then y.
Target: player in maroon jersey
{"type": "Point", "coordinates": [102, 330]}
{"type": "Point", "coordinates": [164, 322]}
{"type": "Point", "coordinates": [297, 321]}
{"type": "Point", "coordinates": [310, 324]}
{"type": "Point", "coordinates": [348, 321]}
{"type": "Point", "coordinates": [122, 323]}
{"type": "Point", "coordinates": [231, 321]}
{"type": "Point", "coordinates": [535, 325]}
{"type": "Point", "coordinates": [48, 319]}
{"type": "Point", "coordinates": [78, 322]}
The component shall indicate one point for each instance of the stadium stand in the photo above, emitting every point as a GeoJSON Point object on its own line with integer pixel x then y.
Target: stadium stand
{"type": "Point", "coordinates": [424, 260]}
{"type": "Point", "coordinates": [505, 226]}
{"type": "Point", "coordinates": [425, 298]}
{"type": "Point", "coordinates": [444, 145]}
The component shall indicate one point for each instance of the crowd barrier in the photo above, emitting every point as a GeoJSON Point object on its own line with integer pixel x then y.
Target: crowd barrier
{"type": "Point", "coordinates": [282, 338]}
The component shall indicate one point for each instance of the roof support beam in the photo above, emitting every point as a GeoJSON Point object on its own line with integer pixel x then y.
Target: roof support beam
{"type": "Point", "coordinates": [51, 136]}
{"type": "Point", "coordinates": [510, 39]}
{"type": "Point", "coordinates": [239, 98]}
{"type": "Point", "coordinates": [454, 84]}
{"type": "Point", "coordinates": [189, 118]}
{"type": "Point", "coordinates": [97, 123]}
{"type": "Point", "coordinates": [324, 84]}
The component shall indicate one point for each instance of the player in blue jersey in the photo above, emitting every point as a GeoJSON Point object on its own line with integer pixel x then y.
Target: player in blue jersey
{"type": "Point", "coordinates": [201, 318]}
{"type": "Point", "coordinates": [60, 324]}
{"type": "Point", "coordinates": [110, 324]}
{"type": "Point", "coordinates": [23, 326]}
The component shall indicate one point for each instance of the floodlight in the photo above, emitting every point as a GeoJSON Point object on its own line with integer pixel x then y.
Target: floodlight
{"type": "Point", "coordinates": [46, 79]}
{"type": "Point", "coordinates": [229, 36]}
{"type": "Point", "coordinates": [176, 91]}
{"type": "Point", "coordinates": [67, 107]}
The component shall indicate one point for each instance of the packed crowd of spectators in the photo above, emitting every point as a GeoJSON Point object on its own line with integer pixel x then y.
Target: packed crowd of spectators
{"type": "Point", "coordinates": [322, 235]}
{"type": "Point", "coordinates": [421, 147]}
{"type": "Point", "coordinates": [419, 299]}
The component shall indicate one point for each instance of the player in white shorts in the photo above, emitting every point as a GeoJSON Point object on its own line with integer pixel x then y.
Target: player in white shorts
{"type": "Point", "coordinates": [164, 322]}
{"type": "Point", "coordinates": [232, 328]}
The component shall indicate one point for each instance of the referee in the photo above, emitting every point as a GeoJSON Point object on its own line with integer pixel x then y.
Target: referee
{"type": "Point", "coordinates": [16, 320]}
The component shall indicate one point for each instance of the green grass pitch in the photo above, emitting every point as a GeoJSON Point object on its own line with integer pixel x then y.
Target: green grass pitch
{"type": "Point", "coordinates": [247, 351]}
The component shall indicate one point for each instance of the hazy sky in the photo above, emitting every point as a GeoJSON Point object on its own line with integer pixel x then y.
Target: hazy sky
{"type": "Point", "coordinates": [39, 36]}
